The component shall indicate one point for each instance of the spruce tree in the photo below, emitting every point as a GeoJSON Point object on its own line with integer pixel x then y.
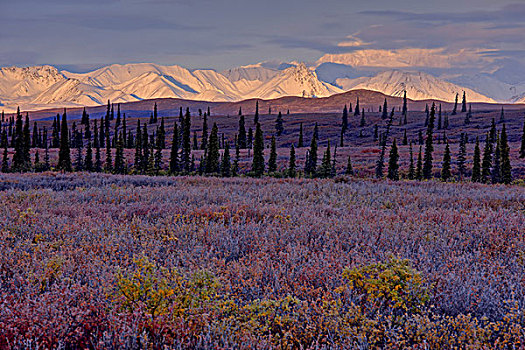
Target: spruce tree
{"type": "Point", "coordinates": [429, 147]}
{"type": "Point", "coordinates": [291, 162]}
{"type": "Point", "coordinates": [258, 152]}
{"type": "Point", "coordinates": [455, 110]}
{"type": "Point", "coordinates": [357, 110]}
{"type": "Point", "coordinates": [349, 168]}
{"type": "Point", "coordinates": [226, 161]}
{"type": "Point", "coordinates": [212, 157]}
{"type": "Point", "coordinates": [300, 144]}
{"type": "Point", "coordinates": [476, 167]}
{"type": "Point", "coordinates": [496, 166]}
{"type": "Point", "coordinates": [311, 163]}
{"type": "Point", "coordinates": [344, 123]}
{"type": "Point", "coordinates": [445, 168]}
{"type": "Point", "coordinates": [64, 155]}
{"type": "Point", "coordinates": [393, 165]}
{"type": "Point", "coordinates": [186, 142]}
{"type": "Point", "coordinates": [174, 154]}
{"type": "Point", "coordinates": [326, 164]}
{"type": "Point", "coordinates": [462, 156]}
{"type": "Point", "coordinates": [419, 166]}
{"type": "Point", "coordinates": [363, 120]}
{"type": "Point", "coordinates": [249, 141]}
{"type": "Point", "coordinates": [493, 132]}
{"type": "Point", "coordinates": [19, 160]}
{"type": "Point", "coordinates": [272, 161]}
{"type": "Point", "coordinates": [88, 161]}
{"type": "Point", "coordinates": [241, 138]}
{"type": "Point", "coordinates": [384, 115]}
{"type": "Point", "coordinates": [256, 116]}
{"type": "Point", "coordinates": [486, 163]}
{"type": "Point", "coordinates": [161, 135]}
{"type": "Point", "coordinates": [342, 139]}
{"type": "Point", "coordinates": [316, 132]}
{"type": "Point", "coordinates": [380, 164]}
{"type": "Point", "coordinates": [502, 116]}
{"type": "Point", "coordinates": [464, 103]}
{"type": "Point", "coordinates": [279, 124]}
{"type": "Point", "coordinates": [119, 155]}
{"type": "Point", "coordinates": [506, 168]}
{"type": "Point", "coordinates": [405, 138]}
{"type": "Point", "coordinates": [158, 157]}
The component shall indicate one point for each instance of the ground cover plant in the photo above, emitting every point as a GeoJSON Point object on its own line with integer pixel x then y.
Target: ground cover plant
{"type": "Point", "coordinates": [114, 261]}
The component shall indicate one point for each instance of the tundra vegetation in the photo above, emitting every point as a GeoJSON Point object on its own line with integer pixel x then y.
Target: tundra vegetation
{"type": "Point", "coordinates": [123, 262]}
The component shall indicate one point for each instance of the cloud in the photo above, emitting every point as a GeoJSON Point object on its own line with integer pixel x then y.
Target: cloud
{"type": "Point", "coordinates": [409, 58]}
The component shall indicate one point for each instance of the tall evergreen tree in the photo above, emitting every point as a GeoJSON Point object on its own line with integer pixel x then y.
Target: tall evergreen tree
{"type": "Point", "coordinates": [258, 152]}
{"type": "Point", "coordinates": [226, 162]}
{"type": "Point", "coordinates": [88, 161]}
{"type": "Point", "coordinates": [486, 163]}
{"type": "Point", "coordinates": [316, 132]}
{"type": "Point", "coordinates": [476, 167]}
{"type": "Point", "coordinates": [445, 168]}
{"type": "Point", "coordinates": [384, 115]}
{"type": "Point", "coordinates": [506, 168]}
{"type": "Point", "coordinates": [455, 110]}
{"type": "Point", "coordinates": [493, 132]}
{"type": "Point", "coordinates": [429, 147]}
{"type": "Point", "coordinates": [393, 165]}
{"type": "Point", "coordinates": [19, 160]}
{"type": "Point", "coordinates": [325, 170]}
{"type": "Point", "coordinates": [174, 154]}
{"type": "Point", "coordinates": [363, 120]}
{"type": "Point", "coordinates": [272, 161]}
{"type": "Point", "coordinates": [344, 122]}
{"type": "Point", "coordinates": [212, 157]}
{"type": "Point", "coordinates": [186, 142]}
{"type": "Point", "coordinates": [464, 103]}
{"type": "Point", "coordinates": [349, 168]}
{"type": "Point", "coordinates": [502, 116]}
{"type": "Point", "coordinates": [64, 155]}
{"type": "Point", "coordinates": [291, 163]}
{"type": "Point", "coordinates": [311, 160]}
{"type": "Point", "coordinates": [357, 109]}
{"type": "Point", "coordinates": [496, 167]}
{"type": "Point", "coordinates": [279, 124]}
{"type": "Point", "coordinates": [119, 120]}
{"type": "Point", "coordinates": [204, 137]}
{"type": "Point", "coordinates": [241, 138]}
{"type": "Point", "coordinates": [256, 116]}
{"type": "Point", "coordinates": [161, 135]}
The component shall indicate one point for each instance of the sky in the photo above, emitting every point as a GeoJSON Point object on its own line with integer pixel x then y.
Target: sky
{"type": "Point", "coordinates": [83, 35]}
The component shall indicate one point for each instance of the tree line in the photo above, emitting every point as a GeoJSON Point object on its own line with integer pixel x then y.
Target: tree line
{"type": "Point", "coordinates": [79, 147]}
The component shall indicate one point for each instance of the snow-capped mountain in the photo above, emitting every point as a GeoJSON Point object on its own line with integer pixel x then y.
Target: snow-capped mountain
{"type": "Point", "coordinates": [418, 85]}
{"type": "Point", "coordinates": [41, 87]}
{"type": "Point", "coordinates": [46, 87]}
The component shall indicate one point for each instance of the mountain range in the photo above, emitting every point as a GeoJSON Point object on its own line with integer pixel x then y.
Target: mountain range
{"type": "Point", "coordinates": [39, 87]}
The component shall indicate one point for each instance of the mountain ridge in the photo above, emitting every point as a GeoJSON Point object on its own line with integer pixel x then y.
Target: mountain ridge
{"type": "Point", "coordinates": [42, 87]}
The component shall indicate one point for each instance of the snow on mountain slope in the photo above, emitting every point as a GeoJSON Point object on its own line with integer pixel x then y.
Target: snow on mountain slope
{"type": "Point", "coordinates": [418, 85]}
{"type": "Point", "coordinates": [488, 85]}
{"type": "Point", "coordinates": [250, 73]}
{"type": "Point", "coordinates": [44, 86]}
{"type": "Point", "coordinates": [295, 81]}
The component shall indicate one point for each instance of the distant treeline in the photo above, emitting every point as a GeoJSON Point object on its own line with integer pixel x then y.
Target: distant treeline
{"type": "Point", "coordinates": [112, 134]}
